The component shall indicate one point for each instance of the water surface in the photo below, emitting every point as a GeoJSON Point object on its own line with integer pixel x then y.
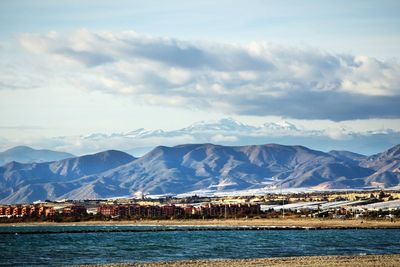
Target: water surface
{"type": "Point", "coordinates": [80, 248]}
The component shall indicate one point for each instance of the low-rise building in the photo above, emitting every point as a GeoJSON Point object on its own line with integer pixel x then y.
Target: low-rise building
{"type": "Point", "coordinates": [74, 210]}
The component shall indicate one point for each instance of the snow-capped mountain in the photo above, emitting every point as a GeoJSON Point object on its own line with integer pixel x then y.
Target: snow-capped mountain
{"type": "Point", "coordinates": [281, 126]}
{"type": "Point", "coordinates": [228, 131]}
{"type": "Point", "coordinates": [222, 125]}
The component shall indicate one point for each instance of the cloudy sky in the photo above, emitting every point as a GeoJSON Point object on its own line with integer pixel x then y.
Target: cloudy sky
{"type": "Point", "coordinates": [84, 76]}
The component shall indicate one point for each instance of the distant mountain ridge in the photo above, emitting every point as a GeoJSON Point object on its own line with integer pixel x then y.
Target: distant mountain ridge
{"type": "Point", "coordinates": [193, 167]}
{"type": "Point", "coordinates": [25, 182]}
{"type": "Point", "coordinates": [25, 154]}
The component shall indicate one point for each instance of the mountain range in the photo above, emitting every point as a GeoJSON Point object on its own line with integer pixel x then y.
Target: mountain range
{"type": "Point", "coordinates": [194, 167]}
{"type": "Point", "coordinates": [25, 154]}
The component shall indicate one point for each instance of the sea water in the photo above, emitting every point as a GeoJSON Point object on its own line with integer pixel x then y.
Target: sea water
{"type": "Point", "coordinates": [56, 249]}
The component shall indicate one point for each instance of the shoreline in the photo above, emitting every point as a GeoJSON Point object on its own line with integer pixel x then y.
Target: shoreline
{"type": "Point", "coordinates": [384, 260]}
{"type": "Point", "coordinates": [279, 222]}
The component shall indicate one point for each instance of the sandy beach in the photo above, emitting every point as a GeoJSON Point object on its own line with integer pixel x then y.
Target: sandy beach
{"type": "Point", "coordinates": [354, 261]}
{"type": "Point", "coordinates": [289, 222]}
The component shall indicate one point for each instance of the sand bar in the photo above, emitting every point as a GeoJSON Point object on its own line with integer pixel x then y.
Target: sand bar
{"type": "Point", "coordinates": [356, 261]}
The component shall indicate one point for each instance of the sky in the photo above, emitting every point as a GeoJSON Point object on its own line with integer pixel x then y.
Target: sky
{"type": "Point", "coordinates": [84, 76]}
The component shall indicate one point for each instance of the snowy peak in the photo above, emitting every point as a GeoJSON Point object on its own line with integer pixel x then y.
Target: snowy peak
{"type": "Point", "coordinates": [280, 126]}
{"type": "Point", "coordinates": [226, 124]}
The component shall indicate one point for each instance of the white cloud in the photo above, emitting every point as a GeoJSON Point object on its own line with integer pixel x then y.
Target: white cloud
{"type": "Point", "coordinates": [224, 138]}
{"type": "Point", "coordinates": [254, 79]}
{"type": "Point", "coordinates": [338, 133]}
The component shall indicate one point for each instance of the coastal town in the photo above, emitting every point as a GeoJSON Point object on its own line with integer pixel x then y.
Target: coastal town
{"type": "Point", "coordinates": [383, 205]}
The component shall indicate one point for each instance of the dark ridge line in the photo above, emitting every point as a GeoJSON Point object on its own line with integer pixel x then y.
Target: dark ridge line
{"type": "Point", "coordinates": [200, 229]}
